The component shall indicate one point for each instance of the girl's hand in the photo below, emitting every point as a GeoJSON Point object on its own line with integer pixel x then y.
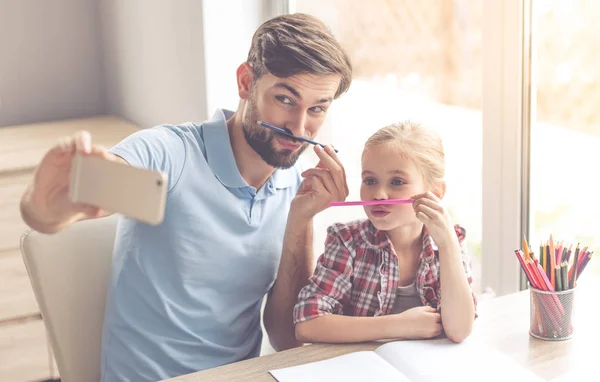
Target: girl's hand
{"type": "Point", "coordinates": [436, 218]}
{"type": "Point", "coordinates": [421, 322]}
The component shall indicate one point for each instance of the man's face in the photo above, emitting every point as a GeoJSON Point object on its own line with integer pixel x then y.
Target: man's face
{"type": "Point", "coordinates": [297, 104]}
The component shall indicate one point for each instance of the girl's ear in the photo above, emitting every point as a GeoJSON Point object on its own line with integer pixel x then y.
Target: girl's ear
{"type": "Point", "coordinates": [440, 189]}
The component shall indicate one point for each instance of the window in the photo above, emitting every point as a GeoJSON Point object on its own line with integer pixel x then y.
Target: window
{"type": "Point", "coordinates": [411, 61]}
{"type": "Point", "coordinates": [565, 132]}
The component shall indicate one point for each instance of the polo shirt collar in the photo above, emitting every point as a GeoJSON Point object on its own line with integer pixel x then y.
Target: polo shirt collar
{"type": "Point", "coordinates": [219, 154]}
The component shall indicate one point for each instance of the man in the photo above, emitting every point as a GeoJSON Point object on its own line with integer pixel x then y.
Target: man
{"type": "Point", "coordinates": [186, 295]}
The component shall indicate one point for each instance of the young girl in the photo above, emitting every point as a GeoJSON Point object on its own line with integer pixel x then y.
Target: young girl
{"type": "Point", "coordinates": [383, 278]}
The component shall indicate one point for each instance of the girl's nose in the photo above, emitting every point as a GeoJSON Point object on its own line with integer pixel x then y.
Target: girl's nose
{"type": "Point", "coordinates": [380, 194]}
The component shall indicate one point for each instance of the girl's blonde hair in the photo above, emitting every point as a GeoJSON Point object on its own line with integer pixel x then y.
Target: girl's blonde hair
{"type": "Point", "coordinates": [417, 143]}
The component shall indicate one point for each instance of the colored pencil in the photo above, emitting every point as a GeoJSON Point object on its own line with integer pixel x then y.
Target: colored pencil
{"type": "Point", "coordinates": [585, 262]}
{"type": "Point", "coordinates": [573, 276]}
{"type": "Point", "coordinates": [289, 134]}
{"type": "Point", "coordinates": [525, 268]}
{"type": "Point", "coordinates": [557, 267]}
{"type": "Point", "coordinates": [526, 248]}
{"type": "Point", "coordinates": [552, 263]}
{"type": "Point", "coordinates": [558, 278]}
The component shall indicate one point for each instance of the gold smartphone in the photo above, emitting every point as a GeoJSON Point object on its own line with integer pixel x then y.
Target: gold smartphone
{"type": "Point", "coordinates": [118, 188]}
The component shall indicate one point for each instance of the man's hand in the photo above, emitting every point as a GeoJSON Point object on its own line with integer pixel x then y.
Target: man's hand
{"type": "Point", "coordinates": [45, 205]}
{"type": "Point", "coordinates": [323, 184]}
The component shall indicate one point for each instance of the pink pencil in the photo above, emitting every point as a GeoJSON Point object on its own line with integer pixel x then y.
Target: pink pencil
{"type": "Point", "coordinates": [371, 202]}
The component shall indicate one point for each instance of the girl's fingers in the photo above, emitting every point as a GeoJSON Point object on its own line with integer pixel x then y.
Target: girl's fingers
{"type": "Point", "coordinates": [426, 195]}
{"type": "Point", "coordinates": [429, 203]}
{"type": "Point", "coordinates": [427, 211]}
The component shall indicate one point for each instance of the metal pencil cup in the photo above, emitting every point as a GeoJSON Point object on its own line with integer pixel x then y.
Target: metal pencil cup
{"type": "Point", "coordinates": [550, 314]}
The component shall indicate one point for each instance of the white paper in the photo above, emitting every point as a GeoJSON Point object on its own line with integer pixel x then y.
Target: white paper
{"type": "Point", "coordinates": [414, 361]}
{"type": "Point", "coordinates": [354, 367]}
{"type": "Point", "coordinates": [442, 360]}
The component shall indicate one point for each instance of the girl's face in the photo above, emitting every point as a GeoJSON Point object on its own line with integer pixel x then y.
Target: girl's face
{"type": "Point", "coordinates": [388, 174]}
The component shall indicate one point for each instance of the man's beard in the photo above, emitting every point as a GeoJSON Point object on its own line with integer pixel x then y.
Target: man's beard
{"type": "Point", "coordinates": [262, 140]}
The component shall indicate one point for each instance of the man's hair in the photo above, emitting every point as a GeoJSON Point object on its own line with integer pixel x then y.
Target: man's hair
{"type": "Point", "coordinates": [298, 43]}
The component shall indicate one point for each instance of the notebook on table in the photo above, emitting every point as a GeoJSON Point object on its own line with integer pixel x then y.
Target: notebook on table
{"type": "Point", "coordinates": [413, 361]}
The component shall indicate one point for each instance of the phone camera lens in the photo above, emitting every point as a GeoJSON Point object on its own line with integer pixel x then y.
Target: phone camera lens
{"type": "Point", "coordinates": [159, 182]}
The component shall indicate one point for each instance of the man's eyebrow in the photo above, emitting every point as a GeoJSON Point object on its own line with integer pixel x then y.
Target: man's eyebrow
{"type": "Point", "coordinates": [325, 100]}
{"type": "Point", "coordinates": [289, 88]}
{"type": "Point", "coordinates": [296, 94]}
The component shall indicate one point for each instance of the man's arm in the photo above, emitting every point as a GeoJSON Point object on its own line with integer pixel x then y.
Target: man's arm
{"type": "Point", "coordinates": [294, 270]}
{"type": "Point", "coordinates": [321, 185]}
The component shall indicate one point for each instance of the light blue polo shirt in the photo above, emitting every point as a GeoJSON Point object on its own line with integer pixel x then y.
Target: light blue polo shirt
{"type": "Point", "coordinates": [186, 295]}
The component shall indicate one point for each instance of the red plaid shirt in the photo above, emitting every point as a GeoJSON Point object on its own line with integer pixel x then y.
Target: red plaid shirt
{"type": "Point", "coordinates": [357, 275]}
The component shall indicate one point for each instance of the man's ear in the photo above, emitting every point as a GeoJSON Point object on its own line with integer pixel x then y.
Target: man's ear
{"type": "Point", "coordinates": [245, 80]}
{"type": "Point", "coordinates": [440, 189]}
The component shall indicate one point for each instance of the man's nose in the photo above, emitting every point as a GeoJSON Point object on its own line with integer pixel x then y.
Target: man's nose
{"type": "Point", "coordinates": [296, 123]}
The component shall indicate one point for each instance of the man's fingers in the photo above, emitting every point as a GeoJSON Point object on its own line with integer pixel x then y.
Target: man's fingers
{"type": "Point", "coordinates": [324, 177]}
{"type": "Point", "coordinates": [65, 145]}
{"type": "Point", "coordinates": [334, 168]}
{"type": "Point", "coordinates": [102, 152]}
{"type": "Point", "coordinates": [83, 141]}
{"type": "Point", "coordinates": [315, 184]}
{"type": "Point", "coordinates": [329, 149]}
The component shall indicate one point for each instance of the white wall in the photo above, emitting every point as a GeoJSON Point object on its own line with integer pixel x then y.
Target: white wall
{"type": "Point", "coordinates": [225, 48]}
{"type": "Point", "coordinates": [154, 60]}
{"type": "Point", "coordinates": [143, 60]}
{"type": "Point", "coordinates": [228, 29]}
{"type": "Point", "coordinates": [50, 67]}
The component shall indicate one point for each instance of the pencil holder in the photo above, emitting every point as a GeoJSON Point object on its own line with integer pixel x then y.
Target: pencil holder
{"type": "Point", "coordinates": [550, 314]}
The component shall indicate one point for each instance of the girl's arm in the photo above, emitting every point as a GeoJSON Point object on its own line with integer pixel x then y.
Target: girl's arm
{"type": "Point", "coordinates": [335, 328]}
{"type": "Point", "coordinates": [420, 322]}
{"type": "Point", "coordinates": [457, 300]}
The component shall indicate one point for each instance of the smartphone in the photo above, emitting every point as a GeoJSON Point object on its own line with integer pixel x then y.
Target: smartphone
{"type": "Point", "coordinates": [118, 188]}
